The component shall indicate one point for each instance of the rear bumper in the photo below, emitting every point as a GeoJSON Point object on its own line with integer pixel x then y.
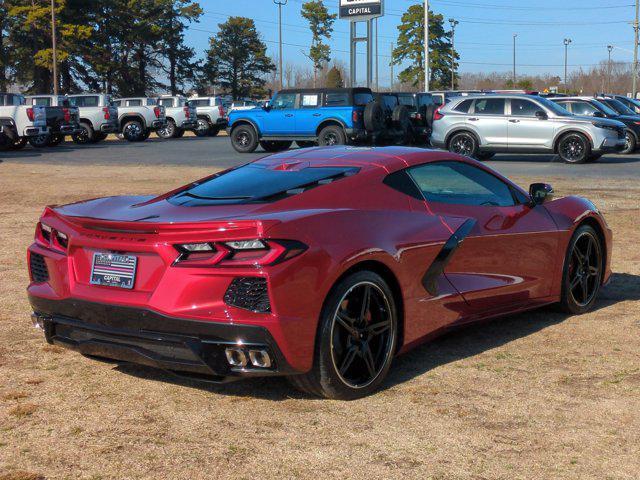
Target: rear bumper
{"type": "Point", "coordinates": [145, 337]}
{"type": "Point", "coordinates": [189, 124]}
{"type": "Point", "coordinates": [66, 129]}
{"type": "Point", "coordinates": [357, 134]}
{"type": "Point", "coordinates": [34, 131]}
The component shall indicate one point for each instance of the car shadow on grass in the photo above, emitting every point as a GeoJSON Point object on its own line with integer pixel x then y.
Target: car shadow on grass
{"type": "Point", "coordinates": [450, 347]}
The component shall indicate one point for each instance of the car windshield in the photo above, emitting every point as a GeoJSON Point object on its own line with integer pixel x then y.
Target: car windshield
{"type": "Point", "coordinates": [619, 107]}
{"type": "Point", "coordinates": [604, 108]}
{"type": "Point", "coordinates": [257, 183]}
{"type": "Point", "coordinates": [554, 107]}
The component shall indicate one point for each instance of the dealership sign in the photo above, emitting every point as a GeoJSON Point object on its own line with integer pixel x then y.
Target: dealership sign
{"type": "Point", "coordinates": [360, 9]}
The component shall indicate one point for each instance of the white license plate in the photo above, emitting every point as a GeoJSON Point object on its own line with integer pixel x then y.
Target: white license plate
{"type": "Point", "coordinates": [113, 270]}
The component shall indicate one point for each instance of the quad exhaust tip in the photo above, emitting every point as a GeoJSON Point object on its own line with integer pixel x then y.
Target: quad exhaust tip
{"type": "Point", "coordinates": [237, 357]}
{"type": "Point", "coordinates": [38, 321]}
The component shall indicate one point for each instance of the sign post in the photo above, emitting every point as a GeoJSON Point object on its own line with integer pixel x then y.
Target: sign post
{"type": "Point", "coordinates": [361, 11]}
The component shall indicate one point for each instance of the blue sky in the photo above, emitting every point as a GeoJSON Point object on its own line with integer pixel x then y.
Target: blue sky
{"type": "Point", "coordinates": [484, 36]}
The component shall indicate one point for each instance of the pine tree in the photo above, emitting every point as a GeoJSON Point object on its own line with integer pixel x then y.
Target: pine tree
{"type": "Point", "coordinates": [321, 24]}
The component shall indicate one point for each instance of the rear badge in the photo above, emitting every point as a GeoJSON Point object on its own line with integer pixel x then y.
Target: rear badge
{"type": "Point", "coordinates": [113, 270]}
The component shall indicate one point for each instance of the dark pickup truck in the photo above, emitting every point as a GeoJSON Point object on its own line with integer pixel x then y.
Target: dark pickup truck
{"type": "Point", "coordinates": [62, 119]}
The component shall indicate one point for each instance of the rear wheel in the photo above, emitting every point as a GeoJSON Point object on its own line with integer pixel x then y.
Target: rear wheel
{"type": "Point", "coordinates": [244, 139]}
{"type": "Point", "coordinates": [133, 131]}
{"type": "Point", "coordinates": [464, 143]}
{"type": "Point", "coordinates": [168, 131]}
{"type": "Point", "coordinates": [55, 140]}
{"type": "Point", "coordinates": [202, 129]}
{"type": "Point", "coordinates": [574, 148]}
{"type": "Point", "coordinates": [582, 273]}
{"type": "Point", "coordinates": [86, 135]}
{"type": "Point", "coordinates": [630, 143]}
{"type": "Point", "coordinates": [332, 135]}
{"type": "Point", "coordinates": [356, 339]}
{"type": "Point", "coordinates": [274, 146]}
{"type": "Point", "coordinates": [18, 144]}
{"type": "Point", "coordinates": [39, 141]}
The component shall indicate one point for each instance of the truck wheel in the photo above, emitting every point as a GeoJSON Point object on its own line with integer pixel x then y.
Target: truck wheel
{"type": "Point", "coordinates": [373, 117]}
{"type": "Point", "coordinates": [203, 128]}
{"type": "Point", "coordinates": [332, 135]}
{"type": "Point", "coordinates": [168, 131]}
{"type": "Point", "coordinates": [87, 135]}
{"type": "Point", "coordinates": [39, 141]}
{"type": "Point", "coordinates": [55, 140]}
{"type": "Point", "coordinates": [214, 131]}
{"type": "Point", "coordinates": [273, 146]}
{"type": "Point", "coordinates": [18, 144]}
{"type": "Point", "coordinates": [132, 131]}
{"type": "Point", "coordinates": [244, 139]}
{"type": "Point", "coordinates": [574, 148]}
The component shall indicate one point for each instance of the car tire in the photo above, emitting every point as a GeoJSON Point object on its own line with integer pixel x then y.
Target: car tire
{"type": "Point", "coordinates": [214, 131]}
{"type": "Point", "coordinates": [18, 144]}
{"type": "Point", "coordinates": [574, 148]}
{"type": "Point", "coordinates": [463, 143]}
{"type": "Point", "coordinates": [203, 128]}
{"type": "Point", "coordinates": [400, 118]}
{"type": "Point", "coordinates": [55, 140]}
{"type": "Point", "coordinates": [274, 146]}
{"type": "Point", "coordinates": [301, 144]}
{"type": "Point", "coordinates": [168, 131]}
{"type": "Point", "coordinates": [354, 346]}
{"type": "Point", "coordinates": [630, 143]}
{"type": "Point", "coordinates": [244, 139]}
{"type": "Point", "coordinates": [180, 133]}
{"type": "Point", "coordinates": [86, 136]}
{"type": "Point", "coordinates": [133, 131]}
{"type": "Point", "coordinates": [39, 141]}
{"type": "Point", "coordinates": [482, 156]}
{"type": "Point", "coordinates": [582, 272]}
{"type": "Point", "coordinates": [373, 117]}
{"type": "Point", "coordinates": [332, 135]}
{"type": "Point", "coordinates": [145, 135]}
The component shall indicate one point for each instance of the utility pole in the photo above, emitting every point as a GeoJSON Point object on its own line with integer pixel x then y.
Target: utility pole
{"type": "Point", "coordinates": [426, 45]}
{"type": "Point", "coordinates": [377, 81]}
{"type": "Point", "coordinates": [391, 65]}
{"type": "Point", "coordinates": [635, 52]}
{"type": "Point", "coordinates": [566, 42]}
{"type": "Point", "coordinates": [55, 47]}
{"type": "Point", "coordinates": [453, 52]}
{"type": "Point", "coordinates": [280, 3]}
{"type": "Point", "coordinates": [609, 48]}
{"type": "Point", "coordinates": [515, 35]}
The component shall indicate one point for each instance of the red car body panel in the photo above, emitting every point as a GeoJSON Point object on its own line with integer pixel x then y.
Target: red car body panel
{"type": "Point", "coordinates": [510, 261]}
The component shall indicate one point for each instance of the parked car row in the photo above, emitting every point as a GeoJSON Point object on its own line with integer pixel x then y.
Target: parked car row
{"type": "Point", "coordinates": [45, 120]}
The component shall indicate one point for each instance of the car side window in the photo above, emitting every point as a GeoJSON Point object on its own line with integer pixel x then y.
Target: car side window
{"type": "Point", "coordinates": [463, 107]}
{"type": "Point", "coordinates": [490, 106]}
{"type": "Point", "coordinates": [284, 101]}
{"type": "Point", "coordinates": [45, 102]}
{"type": "Point", "coordinates": [134, 103]}
{"type": "Point", "coordinates": [166, 102]}
{"type": "Point", "coordinates": [582, 108]}
{"type": "Point", "coordinates": [336, 100]}
{"type": "Point", "coordinates": [309, 100]}
{"type": "Point", "coordinates": [459, 183]}
{"type": "Point", "coordinates": [524, 108]}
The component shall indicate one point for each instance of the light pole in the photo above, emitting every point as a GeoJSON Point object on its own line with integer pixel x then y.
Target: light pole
{"type": "Point", "coordinates": [453, 51]}
{"type": "Point", "coordinates": [609, 48]}
{"type": "Point", "coordinates": [635, 52]}
{"type": "Point", "coordinates": [426, 45]}
{"type": "Point", "coordinates": [567, 41]}
{"type": "Point", "coordinates": [515, 35]}
{"type": "Point", "coordinates": [54, 47]}
{"type": "Point", "coordinates": [280, 3]}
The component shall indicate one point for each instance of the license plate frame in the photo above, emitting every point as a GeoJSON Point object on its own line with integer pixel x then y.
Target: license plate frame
{"type": "Point", "coordinates": [116, 270]}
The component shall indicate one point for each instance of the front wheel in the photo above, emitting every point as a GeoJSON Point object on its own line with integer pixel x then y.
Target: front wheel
{"type": "Point", "coordinates": [464, 143]}
{"type": "Point", "coordinates": [244, 139]}
{"type": "Point", "coordinates": [18, 144]}
{"type": "Point", "coordinates": [133, 131]}
{"type": "Point", "coordinates": [202, 129]}
{"type": "Point", "coordinates": [55, 140]}
{"type": "Point", "coordinates": [582, 272]}
{"type": "Point", "coordinates": [39, 141]}
{"type": "Point", "coordinates": [86, 135]}
{"type": "Point", "coordinates": [356, 340]}
{"type": "Point", "coordinates": [630, 143]}
{"type": "Point", "coordinates": [168, 131]}
{"type": "Point", "coordinates": [332, 135]}
{"type": "Point", "coordinates": [574, 148]}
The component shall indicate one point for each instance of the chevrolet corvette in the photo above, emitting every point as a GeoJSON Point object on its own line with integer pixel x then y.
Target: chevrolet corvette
{"type": "Point", "coordinates": [321, 265]}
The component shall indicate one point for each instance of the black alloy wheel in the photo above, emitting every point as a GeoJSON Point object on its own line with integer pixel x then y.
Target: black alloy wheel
{"type": "Point", "coordinates": [629, 143]}
{"type": "Point", "coordinates": [332, 135]}
{"type": "Point", "coordinates": [202, 129]}
{"type": "Point", "coordinates": [582, 270]}
{"type": "Point", "coordinates": [463, 144]}
{"type": "Point", "coordinates": [574, 148]}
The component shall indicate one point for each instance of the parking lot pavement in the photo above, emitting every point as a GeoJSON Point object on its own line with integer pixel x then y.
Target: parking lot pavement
{"type": "Point", "coordinates": [218, 153]}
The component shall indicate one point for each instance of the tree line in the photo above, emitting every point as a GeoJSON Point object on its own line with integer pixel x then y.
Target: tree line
{"type": "Point", "coordinates": [138, 47]}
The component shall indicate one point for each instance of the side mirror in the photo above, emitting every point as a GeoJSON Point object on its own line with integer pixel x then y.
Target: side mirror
{"type": "Point", "coordinates": [266, 106]}
{"type": "Point", "coordinates": [540, 193]}
{"type": "Point", "coordinates": [598, 114]}
{"type": "Point", "coordinates": [540, 115]}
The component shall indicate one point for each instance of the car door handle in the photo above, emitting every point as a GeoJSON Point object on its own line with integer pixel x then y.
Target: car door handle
{"type": "Point", "coordinates": [288, 114]}
{"type": "Point", "coordinates": [474, 119]}
{"type": "Point", "coordinates": [317, 114]}
{"type": "Point", "coordinates": [513, 120]}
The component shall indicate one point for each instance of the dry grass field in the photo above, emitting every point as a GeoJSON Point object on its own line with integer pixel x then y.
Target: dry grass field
{"type": "Point", "coordinates": [534, 396]}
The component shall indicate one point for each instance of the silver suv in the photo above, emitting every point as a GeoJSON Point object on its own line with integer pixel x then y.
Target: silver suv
{"type": "Point", "coordinates": [481, 126]}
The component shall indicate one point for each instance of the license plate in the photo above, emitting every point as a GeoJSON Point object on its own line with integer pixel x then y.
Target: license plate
{"type": "Point", "coordinates": [113, 270]}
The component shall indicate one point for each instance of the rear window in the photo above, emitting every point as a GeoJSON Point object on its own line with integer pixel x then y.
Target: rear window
{"type": "Point", "coordinates": [257, 183]}
{"type": "Point", "coordinates": [336, 100]}
{"type": "Point", "coordinates": [166, 102]}
{"type": "Point", "coordinates": [42, 101]}
{"type": "Point", "coordinates": [463, 107]}
{"type": "Point", "coordinates": [200, 103]}
{"type": "Point", "coordinates": [408, 101]}
{"type": "Point", "coordinates": [152, 101]}
{"type": "Point", "coordinates": [84, 101]}
{"type": "Point", "coordinates": [361, 99]}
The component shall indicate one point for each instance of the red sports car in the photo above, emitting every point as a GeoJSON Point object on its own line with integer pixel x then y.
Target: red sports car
{"type": "Point", "coordinates": [320, 264]}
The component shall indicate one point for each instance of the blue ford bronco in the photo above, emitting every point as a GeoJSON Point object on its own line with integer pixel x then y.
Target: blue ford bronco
{"type": "Point", "coordinates": [309, 117]}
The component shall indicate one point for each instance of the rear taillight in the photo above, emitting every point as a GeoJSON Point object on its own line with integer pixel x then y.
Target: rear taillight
{"type": "Point", "coordinates": [107, 114]}
{"type": "Point", "coordinates": [67, 115]}
{"type": "Point", "coordinates": [51, 238]}
{"type": "Point", "coordinates": [437, 115]}
{"type": "Point", "coordinates": [187, 113]}
{"type": "Point", "coordinates": [156, 110]}
{"type": "Point", "coordinates": [239, 253]}
{"type": "Point", "coordinates": [221, 111]}
{"type": "Point", "coordinates": [355, 116]}
{"type": "Point", "coordinates": [30, 114]}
